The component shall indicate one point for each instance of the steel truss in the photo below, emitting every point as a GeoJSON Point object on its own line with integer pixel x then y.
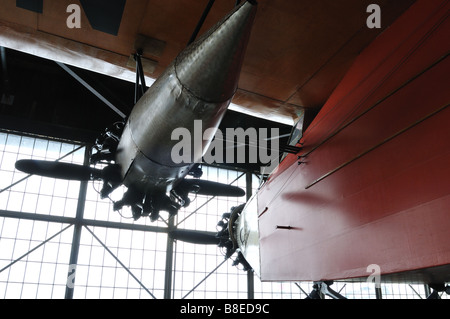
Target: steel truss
{"type": "Point", "coordinates": [80, 222]}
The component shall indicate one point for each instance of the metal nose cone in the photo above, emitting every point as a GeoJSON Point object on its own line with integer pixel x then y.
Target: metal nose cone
{"type": "Point", "coordinates": [209, 68]}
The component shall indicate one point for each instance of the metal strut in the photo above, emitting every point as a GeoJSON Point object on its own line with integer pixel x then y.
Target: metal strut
{"type": "Point", "coordinates": [140, 86]}
{"type": "Point", "coordinates": [322, 288]}
{"type": "Point", "coordinates": [92, 89]}
{"type": "Point", "coordinates": [202, 20]}
{"type": "Point", "coordinates": [438, 288]}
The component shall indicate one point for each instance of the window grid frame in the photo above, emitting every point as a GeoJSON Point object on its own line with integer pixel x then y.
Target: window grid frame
{"type": "Point", "coordinates": [262, 290]}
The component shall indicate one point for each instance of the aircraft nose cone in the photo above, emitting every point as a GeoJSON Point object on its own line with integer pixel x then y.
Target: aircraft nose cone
{"type": "Point", "coordinates": [210, 67]}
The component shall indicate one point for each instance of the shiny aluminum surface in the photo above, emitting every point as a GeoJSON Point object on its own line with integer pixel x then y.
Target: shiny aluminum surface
{"type": "Point", "coordinates": [197, 86]}
{"type": "Point", "coordinates": [210, 67]}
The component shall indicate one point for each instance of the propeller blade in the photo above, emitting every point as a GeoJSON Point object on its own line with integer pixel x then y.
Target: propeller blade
{"type": "Point", "coordinates": [210, 188]}
{"type": "Point", "coordinates": [195, 236]}
{"type": "Point", "coordinates": [58, 170]}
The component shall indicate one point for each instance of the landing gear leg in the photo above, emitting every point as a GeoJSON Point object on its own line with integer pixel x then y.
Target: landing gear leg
{"type": "Point", "coordinates": [437, 288]}
{"type": "Point", "coordinates": [322, 288]}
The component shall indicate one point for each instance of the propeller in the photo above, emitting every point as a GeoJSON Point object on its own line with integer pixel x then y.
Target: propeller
{"type": "Point", "coordinates": [195, 236]}
{"type": "Point", "coordinates": [59, 170]}
{"type": "Point", "coordinates": [223, 238]}
{"type": "Point", "coordinates": [209, 188]}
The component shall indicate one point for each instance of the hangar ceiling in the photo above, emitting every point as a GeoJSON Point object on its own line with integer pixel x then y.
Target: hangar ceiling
{"type": "Point", "coordinates": [298, 53]}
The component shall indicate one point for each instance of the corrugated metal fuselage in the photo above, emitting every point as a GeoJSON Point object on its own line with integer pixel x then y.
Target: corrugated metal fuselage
{"type": "Point", "coordinates": [197, 86]}
{"type": "Point", "coordinates": [145, 149]}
